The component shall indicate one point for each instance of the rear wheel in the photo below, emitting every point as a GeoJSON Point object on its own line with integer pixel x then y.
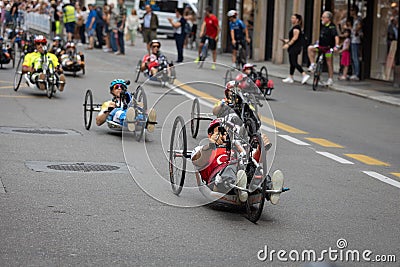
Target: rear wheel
{"type": "Point", "coordinates": [177, 153]}
{"type": "Point", "coordinates": [194, 118]}
{"type": "Point", "coordinates": [138, 66]}
{"type": "Point", "coordinates": [317, 76]}
{"type": "Point", "coordinates": [258, 182]}
{"type": "Point", "coordinates": [18, 74]}
{"type": "Point", "coordinates": [141, 109]}
{"type": "Point", "coordinates": [88, 109]}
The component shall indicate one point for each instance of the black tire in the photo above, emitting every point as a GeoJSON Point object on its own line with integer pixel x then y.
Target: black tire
{"type": "Point", "coordinates": [83, 70]}
{"type": "Point", "coordinates": [317, 76]}
{"type": "Point", "coordinates": [138, 70]}
{"type": "Point", "coordinates": [203, 55]}
{"type": "Point", "coordinates": [141, 101]}
{"type": "Point", "coordinates": [18, 74]}
{"type": "Point", "coordinates": [50, 80]}
{"type": "Point", "coordinates": [13, 57]}
{"type": "Point", "coordinates": [251, 127]}
{"type": "Point", "coordinates": [228, 76]}
{"type": "Point", "coordinates": [241, 58]}
{"type": "Point", "coordinates": [194, 118]}
{"type": "Point", "coordinates": [264, 74]}
{"type": "Point", "coordinates": [254, 210]}
{"type": "Point", "coordinates": [177, 164]}
{"type": "Point", "coordinates": [88, 109]}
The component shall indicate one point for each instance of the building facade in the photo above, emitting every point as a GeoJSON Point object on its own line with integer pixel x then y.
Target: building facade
{"type": "Point", "coordinates": [269, 21]}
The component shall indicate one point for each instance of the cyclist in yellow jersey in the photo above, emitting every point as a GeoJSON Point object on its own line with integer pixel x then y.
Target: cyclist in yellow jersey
{"type": "Point", "coordinates": [32, 64]}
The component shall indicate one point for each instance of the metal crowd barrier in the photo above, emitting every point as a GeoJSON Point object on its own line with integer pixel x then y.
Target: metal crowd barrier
{"type": "Point", "coordinates": [37, 22]}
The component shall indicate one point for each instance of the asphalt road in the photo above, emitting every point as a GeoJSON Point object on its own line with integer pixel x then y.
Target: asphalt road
{"type": "Point", "coordinates": [131, 218]}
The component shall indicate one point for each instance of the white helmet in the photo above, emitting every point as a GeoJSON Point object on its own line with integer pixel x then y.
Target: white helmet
{"type": "Point", "coordinates": [231, 13]}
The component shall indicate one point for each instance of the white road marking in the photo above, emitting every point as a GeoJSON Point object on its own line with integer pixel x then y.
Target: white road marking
{"type": "Point", "coordinates": [382, 178]}
{"type": "Point", "coordinates": [293, 140]}
{"type": "Point", "coordinates": [334, 157]}
{"type": "Point", "coordinates": [269, 129]}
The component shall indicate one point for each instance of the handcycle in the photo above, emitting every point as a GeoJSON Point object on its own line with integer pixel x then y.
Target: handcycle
{"type": "Point", "coordinates": [319, 66]}
{"type": "Point", "coordinates": [258, 180]}
{"type": "Point", "coordinates": [138, 102]}
{"type": "Point", "coordinates": [50, 81]}
{"type": "Point", "coordinates": [7, 53]}
{"type": "Point", "coordinates": [165, 74]}
{"type": "Point", "coordinates": [72, 61]}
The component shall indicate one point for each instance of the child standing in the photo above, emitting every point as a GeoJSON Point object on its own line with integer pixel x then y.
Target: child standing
{"type": "Point", "coordinates": [346, 58]}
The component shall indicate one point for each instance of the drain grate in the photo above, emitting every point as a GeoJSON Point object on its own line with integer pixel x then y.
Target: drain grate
{"type": "Point", "coordinates": [77, 167]}
{"type": "Point", "coordinates": [38, 131]}
{"type": "Point", "coordinates": [83, 167]}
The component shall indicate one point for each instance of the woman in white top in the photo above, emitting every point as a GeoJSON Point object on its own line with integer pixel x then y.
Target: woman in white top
{"type": "Point", "coordinates": [132, 23]}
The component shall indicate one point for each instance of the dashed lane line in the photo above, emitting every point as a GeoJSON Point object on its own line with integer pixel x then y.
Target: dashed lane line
{"type": "Point", "coordinates": [382, 178]}
{"type": "Point", "coordinates": [367, 160]}
{"type": "Point", "coordinates": [323, 142]}
{"type": "Point", "coordinates": [334, 157]}
{"type": "Point", "coordinates": [293, 140]}
{"type": "Point", "coordinates": [270, 122]}
{"type": "Point", "coordinates": [22, 96]}
{"type": "Point", "coordinates": [397, 174]}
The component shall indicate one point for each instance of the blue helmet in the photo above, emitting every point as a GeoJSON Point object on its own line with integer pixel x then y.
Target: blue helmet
{"type": "Point", "coordinates": [118, 81]}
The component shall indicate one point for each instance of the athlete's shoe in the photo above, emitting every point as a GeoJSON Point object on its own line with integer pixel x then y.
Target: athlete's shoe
{"type": "Point", "coordinates": [197, 60]}
{"type": "Point", "coordinates": [277, 184]}
{"type": "Point", "coordinates": [213, 67]}
{"type": "Point", "coordinates": [130, 119]}
{"type": "Point", "coordinates": [151, 121]}
{"type": "Point", "coordinates": [305, 79]}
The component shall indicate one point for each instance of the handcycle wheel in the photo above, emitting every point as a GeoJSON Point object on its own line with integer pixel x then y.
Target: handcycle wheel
{"type": "Point", "coordinates": [228, 76]}
{"type": "Point", "coordinates": [177, 155]}
{"type": "Point", "coordinates": [194, 118]}
{"type": "Point", "coordinates": [264, 74]}
{"type": "Point", "coordinates": [88, 109]}
{"type": "Point", "coordinates": [13, 57]}
{"type": "Point", "coordinates": [138, 70]}
{"type": "Point", "coordinates": [317, 76]}
{"type": "Point", "coordinates": [258, 182]}
{"type": "Point", "coordinates": [241, 58]}
{"type": "Point", "coordinates": [141, 102]}
{"type": "Point", "coordinates": [50, 80]}
{"type": "Point", "coordinates": [18, 74]}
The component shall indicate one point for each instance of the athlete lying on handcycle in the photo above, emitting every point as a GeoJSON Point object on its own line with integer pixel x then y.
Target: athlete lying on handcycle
{"type": "Point", "coordinates": [251, 77]}
{"type": "Point", "coordinates": [120, 110]}
{"type": "Point", "coordinates": [154, 62]}
{"type": "Point", "coordinates": [5, 52]}
{"type": "Point", "coordinates": [71, 60]}
{"type": "Point", "coordinates": [220, 167]}
{"type": "Point", "coordinates": [33, 63]}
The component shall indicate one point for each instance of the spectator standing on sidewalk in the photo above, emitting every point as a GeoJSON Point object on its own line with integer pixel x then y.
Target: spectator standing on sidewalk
{"type": "Point", "coordinates": [149, 28]}
{"type": "Point", "coordinates": [294, 45]}
{"type": "Point", "coordinates": [345, 61]}
{"type": "Point", "coordinates": [121, 12]}
{"type": "Point", "coordinates": [356, 34]}
{"type": "Point", "coordinates": [69, 19]}
{"type": "Point", "coordinates": [91, 25]}
{"type": "Point", "coordinates": [132, 22]}
{"type": "Point", "coordinates": [99, 27]}
{"type": "Point", "coordinates": [392, 32]}
{"type": "Point", "coordinates": [178, 23]}
{"type": "Point", "coordinates": [80, 26]}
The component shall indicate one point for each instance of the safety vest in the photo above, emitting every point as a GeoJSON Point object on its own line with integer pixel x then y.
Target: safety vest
{"type": "Point", "coordinates": [69, 14]}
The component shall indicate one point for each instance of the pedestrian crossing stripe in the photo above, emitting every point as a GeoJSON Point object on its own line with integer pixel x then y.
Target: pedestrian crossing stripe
{"type": "Point", "coordinates": [323, 142]}
{"type": "Point", "coordinates": [367, 160]}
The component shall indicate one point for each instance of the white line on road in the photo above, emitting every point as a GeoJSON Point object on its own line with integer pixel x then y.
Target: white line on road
{"type": "Point", "coordinates": [382, 178]}
{"type": "Point", "coordinates": [293, 140]}
{"type": "Point", "coordinates": [334, 157]}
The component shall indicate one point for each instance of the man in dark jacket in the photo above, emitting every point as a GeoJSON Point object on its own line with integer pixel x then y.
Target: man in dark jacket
{"type": "Point", "coordinates": [149, 26]}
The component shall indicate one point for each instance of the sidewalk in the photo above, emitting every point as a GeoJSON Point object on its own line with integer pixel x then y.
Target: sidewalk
{"type": "Point", "coordinates": [372, 89]}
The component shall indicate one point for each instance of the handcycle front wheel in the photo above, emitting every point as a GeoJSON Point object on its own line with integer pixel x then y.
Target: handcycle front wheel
{"type": "Point", "coordinates": [258, 182]}
{"type": "Point", "coordinates": [138, 66]}
{"type": "Point", "coordinates": [88, 109]}
{"type": "Point", "coordinates": [177, 155]}
{"type": "Point", "coordinates": [264, 73]}
{"type": "Point", "coordinates": [194, 118]}
{"type": "Point", "coordinates": [18, 74]}
{"type": "Point", "coordinates": [228, 76]}
{"type": "Point", "coordinates": [141, 102]}
{"type": "Point", "coordinates": [50, 80]}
